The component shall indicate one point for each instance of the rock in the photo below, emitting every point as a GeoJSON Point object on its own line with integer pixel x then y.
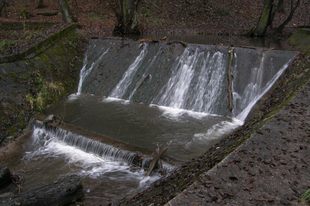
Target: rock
{"type": "Point", "coordinates": [59, 193]}
{"type": "Point", "coordinates": [5, 176]}
{"type": "Point", "coordinates": [50, 119]}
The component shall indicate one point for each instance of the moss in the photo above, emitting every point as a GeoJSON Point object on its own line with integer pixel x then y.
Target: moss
{"type": "Point", "coordinates": [14, 77]}
{"type": "Point", "coordinates": [46, 77]}
{"type": "Point", "coordinates": [44, 57]}
{"type": "Point", "coordinates": [301, 39]}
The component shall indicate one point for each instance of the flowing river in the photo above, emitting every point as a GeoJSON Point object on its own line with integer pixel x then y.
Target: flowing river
{"type": "Point", "coordinates": [147, 95]}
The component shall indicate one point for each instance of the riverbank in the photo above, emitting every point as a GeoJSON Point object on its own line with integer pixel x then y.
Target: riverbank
{"type": "Point", "coordinates": [271, 168]}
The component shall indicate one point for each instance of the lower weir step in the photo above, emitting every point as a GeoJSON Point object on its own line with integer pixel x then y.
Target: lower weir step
{"type": "Point", "coordinates": [94, 143]}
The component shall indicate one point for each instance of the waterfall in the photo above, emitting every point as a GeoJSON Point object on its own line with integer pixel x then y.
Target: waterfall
{"type": "Point", "coordinates": [178, 85]}
{"type": "Point", "coordinates": [242, 115]}
{"type": "Point", "coordinates": [196, 82]}
{"type": "Point", "coordinates": [145, 75]}
{"type": "Point", "coordinates": [250, 87]}
{"type": "Point", "coordinates": [43, 135]}
{"type": "Point", "coordinates": [121, 88]}
{"type": "Point", "coordinates": [85, 71]}
{"type": "Point", "coordinates": [192, 78]}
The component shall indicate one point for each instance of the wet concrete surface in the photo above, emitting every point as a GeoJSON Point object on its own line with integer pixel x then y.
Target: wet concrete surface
{"type": "Point", "coordinates": [271, 168]}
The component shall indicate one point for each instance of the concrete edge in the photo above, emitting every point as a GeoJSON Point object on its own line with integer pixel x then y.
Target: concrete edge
{"type": "Point", "coordinates": [39, 47]}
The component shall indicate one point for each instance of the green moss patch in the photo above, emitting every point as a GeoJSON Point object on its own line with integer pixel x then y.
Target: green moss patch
{"type": "Point", "coordinates": [302, 39]}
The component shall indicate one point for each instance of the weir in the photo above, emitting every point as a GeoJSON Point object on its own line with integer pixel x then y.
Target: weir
{"type": "Point", "coordinates": [135, 97]}
{"type": "Point", "coordinates": [100, 146]}
{"type": "Point", "coordinates": [186, 98]}
{"type": "Point", "coordinates": [192, 78]}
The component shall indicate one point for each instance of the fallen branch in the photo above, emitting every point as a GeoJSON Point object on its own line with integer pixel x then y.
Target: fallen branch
{"type": "Point", "coordinates": [154, 161]}
{"type": "Point", "coordinates": [48, 13]}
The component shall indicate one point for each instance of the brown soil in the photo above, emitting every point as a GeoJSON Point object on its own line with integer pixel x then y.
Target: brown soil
{"type": "Point", "coordinates": [96, 18]}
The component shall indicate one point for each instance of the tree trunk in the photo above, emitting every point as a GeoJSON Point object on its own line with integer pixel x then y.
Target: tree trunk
{"type": "Point", "coordinates": [127, 17]}
{"type": "Point", "coordinates": [66, 15]}
{"type": "Point", "coordinates": [289, 18]}
{"type": "Point", "coordinates": [264, 21]}
{"type": "Point", "coordinates": [273, 12]}
{"type": "Point", "coordinates": [40, 4]}
{"type": "Point", "coordinates": [280, 6]}
{"type": "Point", "coordinates": [3, 6]}
{"type": "Point", "coordinates": [59, 193]}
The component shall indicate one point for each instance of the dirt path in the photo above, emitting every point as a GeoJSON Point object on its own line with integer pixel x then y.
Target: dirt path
{"type": "Point", "coordinates": [271, 168]}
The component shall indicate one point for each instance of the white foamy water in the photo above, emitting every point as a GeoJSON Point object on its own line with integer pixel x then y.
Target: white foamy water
{"type": "Point", "coordinates": [175, 113]}
{"type": "Point", "coordinates": [121, 88]}
{"type": "Point", "coordinates": [93, 169]}
{"type": "Point", "coordinates": [87, 164]}
{"type": "Point", "coordinates": [242, 115]}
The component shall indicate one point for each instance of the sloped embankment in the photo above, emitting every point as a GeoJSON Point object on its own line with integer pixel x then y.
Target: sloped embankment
{"type": "Point", "coordinates": [37, 77]}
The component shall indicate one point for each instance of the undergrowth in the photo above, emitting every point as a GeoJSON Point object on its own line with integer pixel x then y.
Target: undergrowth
{"type": "Point", "coordinates": [306, 196]}
{"type": "Point", "coordinates": [46, 92]}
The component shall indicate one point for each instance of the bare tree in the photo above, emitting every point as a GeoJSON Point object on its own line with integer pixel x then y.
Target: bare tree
{"type": "Point", "coordinates": [271, 7]}
{"type": "Point", "coordinates": [40, 5]}
{"type": "Point", "coordinates": [66, 15]}
{"type": "Point", "coordinates": [289, 18]}
{"type": "Point", "coordinates": [127, 17]}
{"type": "Point", "coordinates": [3, 6]}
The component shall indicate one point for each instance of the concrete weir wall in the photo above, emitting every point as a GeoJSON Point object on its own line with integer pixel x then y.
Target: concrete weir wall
{"type": "Point", "coordinates": [142, 72]}
{"type": "Point", "coordinates": [37, 77]}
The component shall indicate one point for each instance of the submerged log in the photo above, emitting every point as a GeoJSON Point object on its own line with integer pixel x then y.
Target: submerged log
{"type": "Point", "coordinates": [61, 192]}
{"type": "Point", "coordinates": [5, 176]}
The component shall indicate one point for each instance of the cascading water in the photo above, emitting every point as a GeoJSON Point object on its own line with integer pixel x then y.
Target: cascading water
{"type": "Point", "coordinates": [121, 88]}
{"type": "Point", "coordinates": [43, 135]}
{"type": "Point", "coordinates": [197, 82]}
{"type": "Point", "coordinates": [88, 68]}
{"type": "Point", "coordinates": [189, 84]}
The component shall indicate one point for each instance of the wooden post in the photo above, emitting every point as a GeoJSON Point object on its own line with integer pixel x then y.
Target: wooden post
{"type": "Point", "coordinates": [230, 94]}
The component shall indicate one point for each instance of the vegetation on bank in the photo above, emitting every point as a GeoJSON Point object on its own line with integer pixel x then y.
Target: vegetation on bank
{"type": "Point", "coordinates": [34, 83]}
{"type": "Point", "coordinates": [306, 196]}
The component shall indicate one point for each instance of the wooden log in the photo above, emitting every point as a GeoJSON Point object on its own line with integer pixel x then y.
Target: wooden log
{"type": "Point", "coordinates": [184, 44]}
{"type": "Point", "coordinates": [154, 161]}
{"type": "Point", "coordinates": [53, 13]}
{"type": "Point", "coordinates": [62, 192]}
{"type": "Point", "coordinates": [5, 176]}
{"type": "Point", "coordinates": [148, 40]}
